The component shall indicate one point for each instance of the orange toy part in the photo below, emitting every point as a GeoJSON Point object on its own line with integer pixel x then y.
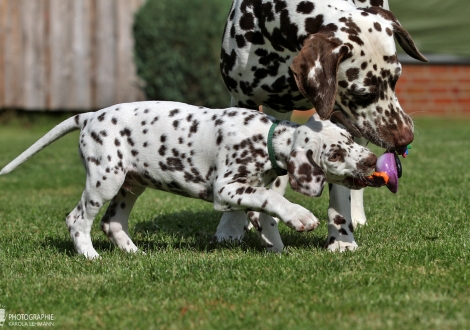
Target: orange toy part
{"type": "Point", "coordinates": [382, 175]}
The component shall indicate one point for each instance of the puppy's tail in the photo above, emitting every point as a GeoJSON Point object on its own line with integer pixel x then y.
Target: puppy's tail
{"type": "Point", "coordinates": [57, 132]}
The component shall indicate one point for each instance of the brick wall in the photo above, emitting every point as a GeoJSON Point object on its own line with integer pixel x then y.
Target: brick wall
{"type": "Point", "coordinates": [429, 90]}
{"type": "Point", "coordinates": [435, 90]}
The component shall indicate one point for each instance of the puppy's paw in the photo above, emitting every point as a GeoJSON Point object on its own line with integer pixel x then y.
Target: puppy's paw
{"type": "Point", "coordinates": [303, 220]}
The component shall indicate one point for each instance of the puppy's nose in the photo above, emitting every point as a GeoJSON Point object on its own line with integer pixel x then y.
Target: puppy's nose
{"type": "Point", "coordinates": [370, 161]}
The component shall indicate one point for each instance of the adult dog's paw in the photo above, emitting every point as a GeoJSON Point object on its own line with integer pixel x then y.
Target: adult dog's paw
{"type": "Point", "coordinates": [335, 244]}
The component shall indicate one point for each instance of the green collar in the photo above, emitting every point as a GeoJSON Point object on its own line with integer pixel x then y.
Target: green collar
{"type": "Point", "coordinates": [272, 158]}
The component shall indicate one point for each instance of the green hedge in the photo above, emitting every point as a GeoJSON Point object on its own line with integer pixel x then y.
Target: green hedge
{"type": "Point", "coordinates": [177, 50]}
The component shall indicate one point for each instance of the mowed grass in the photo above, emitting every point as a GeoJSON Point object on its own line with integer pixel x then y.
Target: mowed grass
{"type": "Point", "coordinates": [412, 270]}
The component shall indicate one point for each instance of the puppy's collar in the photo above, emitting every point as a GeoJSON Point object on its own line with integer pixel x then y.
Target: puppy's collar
{"type": "Point", "coordinates": [272, 158]}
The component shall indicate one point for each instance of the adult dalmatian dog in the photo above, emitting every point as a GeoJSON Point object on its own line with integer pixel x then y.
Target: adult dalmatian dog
{"type": "Point", "coordinates": [337, 56]}
{"type": "Point", "coordinates": [227, 157]}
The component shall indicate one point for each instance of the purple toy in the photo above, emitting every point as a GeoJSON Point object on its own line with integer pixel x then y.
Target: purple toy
{"type": "Point", "coordinates": [388, 163]}
{"type": "Point", "coordinates": [388, 170]}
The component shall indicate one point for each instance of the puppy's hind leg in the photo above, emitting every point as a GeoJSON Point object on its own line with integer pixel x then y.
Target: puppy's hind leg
{"type": "Point", "coordinates": [80, 220]}
{"type": "Point", "coordinates": [115, 222]}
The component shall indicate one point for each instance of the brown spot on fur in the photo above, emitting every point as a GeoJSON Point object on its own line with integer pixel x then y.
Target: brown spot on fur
{"type": "Point", "coordinates": [339, 220]}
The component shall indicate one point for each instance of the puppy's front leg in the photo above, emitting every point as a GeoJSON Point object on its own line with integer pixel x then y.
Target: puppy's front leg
{"type": "Point", "coordinates": [267, 225]}
{"type": "Point", "coordinates": [231, 227]}
{"type": "Point", "coordinates": [238, 196]}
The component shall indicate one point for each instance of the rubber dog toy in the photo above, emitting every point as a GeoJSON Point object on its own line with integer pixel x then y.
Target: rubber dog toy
{"type": "Point", "coordinates": [388, 163]}
{"type": "Point", "coordinates": [388, 170]}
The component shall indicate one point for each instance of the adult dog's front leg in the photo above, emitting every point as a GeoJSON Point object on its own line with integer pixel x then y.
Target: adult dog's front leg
{"type": "Point", "coordinates": [340, 228]}
{"type": "Point", "coordinates": [237, 196]}
{"type": "Point", "coordinates": [358, 216]}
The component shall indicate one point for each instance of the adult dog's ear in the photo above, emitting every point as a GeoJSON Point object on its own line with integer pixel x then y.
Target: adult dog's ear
{"type": "Point", "coordinates": [402, 36]}
{"type": "Point", "coordinates": [338, 118]}
{"type": "Point", "coordinates": [305, 176]}
{"type": "Point", "coordinates": [315, 71]}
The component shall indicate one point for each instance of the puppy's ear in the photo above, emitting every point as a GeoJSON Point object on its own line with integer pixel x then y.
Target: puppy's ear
{"type": "Point", "coordinates": [402, 36]}
{"type": "Point", "coordinates": [315, 71]}
{"type": "Point", "coordinates": [305, 176]}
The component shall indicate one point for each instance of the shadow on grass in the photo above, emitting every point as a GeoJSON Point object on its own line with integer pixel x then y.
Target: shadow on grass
{"type": "Point", "coordinates": [187, 230]}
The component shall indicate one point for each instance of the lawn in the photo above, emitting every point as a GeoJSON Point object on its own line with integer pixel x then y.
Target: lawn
{"type": "Point", "coordinates": [412, 270]}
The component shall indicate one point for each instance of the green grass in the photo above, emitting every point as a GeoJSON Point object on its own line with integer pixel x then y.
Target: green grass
{"type": "Point", "coordinates": [412, 270]}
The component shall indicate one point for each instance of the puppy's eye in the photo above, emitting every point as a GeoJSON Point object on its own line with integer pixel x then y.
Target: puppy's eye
{"type": "Point", "coordinates": [334, 157]}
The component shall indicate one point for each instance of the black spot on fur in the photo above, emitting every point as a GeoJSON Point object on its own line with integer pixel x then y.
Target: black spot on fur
{"type": "Point", "coordinates": [126, 132]}
{"type": "Point", "coordinates": [94, 160]}
{"type": "Point", "coordinates": [174, 112]}
{"type": "Point", "coordinates": [194, 127]}
{"type": "Point", "coordinates": [247, 22]}
{"type": "Point", "coordinates": [162, 150]}
{"type": "Point", "coordinates": [305, 7]}
{"type": "Point", "coordinates": [339, 220]}
{"type": "Point", "coordinates": [96, 138]}
{"type": "Point", "coordinates": [352, 74]}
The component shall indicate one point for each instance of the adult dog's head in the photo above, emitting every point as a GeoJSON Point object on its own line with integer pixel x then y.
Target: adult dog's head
{"type": "Point", "coordinates": [352, 66]}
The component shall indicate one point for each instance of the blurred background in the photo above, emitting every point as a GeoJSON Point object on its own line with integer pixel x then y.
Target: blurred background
{"type": "Point", "coordinates": [83, 55]}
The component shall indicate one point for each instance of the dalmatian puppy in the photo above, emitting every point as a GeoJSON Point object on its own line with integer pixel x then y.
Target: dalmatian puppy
{"type": "Point", "coordinates": [338, 56]}
{"type": "Point", "coordinates": [227, 157]}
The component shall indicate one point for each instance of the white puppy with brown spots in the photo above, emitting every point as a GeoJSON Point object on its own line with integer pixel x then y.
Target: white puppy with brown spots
{"type": "Point", "coordinates": [226, 156]}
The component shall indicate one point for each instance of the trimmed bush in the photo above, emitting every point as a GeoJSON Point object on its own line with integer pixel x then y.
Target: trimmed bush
{"type": "Point", "coordinates": [177, 50]}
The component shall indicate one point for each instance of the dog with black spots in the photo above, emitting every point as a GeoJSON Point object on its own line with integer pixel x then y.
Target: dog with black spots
{"type": "Point", "coordinates": [224, 156]}
{"type": "Point", "coordinates": [338, 56]}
